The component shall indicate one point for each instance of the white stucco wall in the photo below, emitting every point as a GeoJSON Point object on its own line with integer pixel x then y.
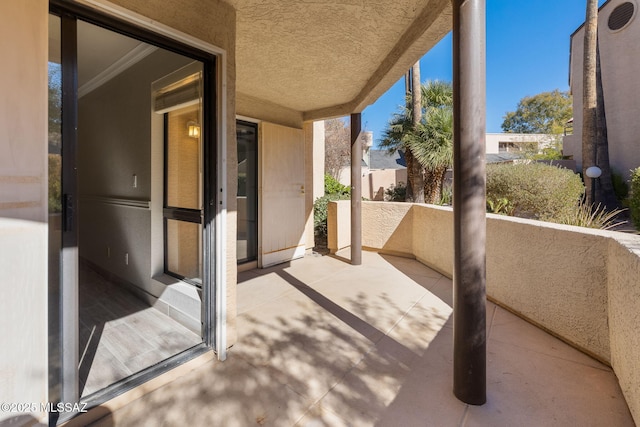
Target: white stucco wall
{"type": "Point", "coordinates": [620, 64]}
{"type": "Point", "coordinates": [579, 284]}
{"type": "Point", "coordinates": [493, 140]}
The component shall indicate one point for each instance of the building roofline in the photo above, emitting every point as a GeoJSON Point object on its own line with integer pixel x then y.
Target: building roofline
{"type": "Point", "coordinates": [571, 40]}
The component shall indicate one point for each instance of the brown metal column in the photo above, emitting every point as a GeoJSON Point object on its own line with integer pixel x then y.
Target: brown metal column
{"type": "Point", "coordinates": [356, 190]}
{"type": "Point", "coordinates": [469, 205]}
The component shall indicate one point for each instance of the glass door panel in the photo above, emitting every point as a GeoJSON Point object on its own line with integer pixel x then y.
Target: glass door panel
{"type": "Point", "coordinates": [247, 233]}
{"type": "Point", "coordinates": [55, 206]}
{"type": "Point", "coordinates": [107, 325]}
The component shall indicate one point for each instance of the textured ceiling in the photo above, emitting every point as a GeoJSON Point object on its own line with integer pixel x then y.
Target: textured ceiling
{"type": "Point", "coordinates": [327, 58]}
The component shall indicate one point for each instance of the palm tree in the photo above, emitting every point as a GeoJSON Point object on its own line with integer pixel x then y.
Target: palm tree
{"type": "Point", "coordinates": [589, 96]}
{"type": "Point", "coordinates": [431, 140]}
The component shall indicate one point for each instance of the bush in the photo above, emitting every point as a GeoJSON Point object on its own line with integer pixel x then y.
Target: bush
{"type": "Point", "coordinates": [634, 197]}
{"type": "Point", "coordinates": [534, 190]}
{"type": "Point", "coordinates": [620, 186]}
{"type": "Point", "coordinates": [396, 193]}
{"type": "Point", "coordinates": [333, 186]}
{"type": "Point", "coordinates": [333, 190]}
{"type": "Point", "coordinates": [320, 208]}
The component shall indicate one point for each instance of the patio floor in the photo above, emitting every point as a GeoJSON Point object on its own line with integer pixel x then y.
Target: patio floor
{"type": "Point", "coordinates": [323, 343]}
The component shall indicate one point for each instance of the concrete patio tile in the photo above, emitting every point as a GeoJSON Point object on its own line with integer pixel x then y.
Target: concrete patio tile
{"type": "Point", "coordinates": [315, 268]}
{"type": "Point", "coordinates": [394, 386]}
{"type": "Point", "coordinates": [422, 323]}
{"type": "Point", "coordinates": [510, 329]}
{"type": "Point", "coordinates": [527, 387]}
{"type": "Point", "coordinates": [379, 297]}
{"type": "Point", "coordinates": [229, 394]}
{"type": "Point", "coordinates": [443, 289]}
{"type": "Point", "coordinates": [260, 289]}
{"type": "Point", "coordinates": [306, 347]}
{"type": "Point", "coordinates": [318, 416]}
{"type": "Point", "coordinates": [410, 267]}
{"type": "Point", "coordinates": [370, 346]}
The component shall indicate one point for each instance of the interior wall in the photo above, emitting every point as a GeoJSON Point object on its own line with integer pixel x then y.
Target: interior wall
{"type": "Point", "coordinates": [213, 22]}
{"type": "Point", "coordinates": [114, 144]}
{"type": "Point", "coordinates": [23, 205]}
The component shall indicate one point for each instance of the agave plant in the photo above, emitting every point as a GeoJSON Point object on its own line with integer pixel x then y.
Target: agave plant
{"type": "Point", "coordinates": [592, 216]}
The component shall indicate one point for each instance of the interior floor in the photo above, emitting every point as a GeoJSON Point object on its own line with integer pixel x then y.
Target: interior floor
{"type": "Point", "coordinates": [120, 334]}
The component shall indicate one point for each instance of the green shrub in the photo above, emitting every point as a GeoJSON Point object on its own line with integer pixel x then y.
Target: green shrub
{"type": "Point", "coordinates": [446, 196]}
{"type": "Point", "coordinates": [396, 193]}
{"type": "Point", "coordinates": [634, 197]}
{"type": "Point", "coordinates": [320, 208]}
{"type": "Point", "coordinates": [500, 206]}
{"type": "Point", "coordinates": [620, 186]}
{"type": "Point", "coordinates": [534, 190]}
{"type": "Point", "coordinates": [333, 186]}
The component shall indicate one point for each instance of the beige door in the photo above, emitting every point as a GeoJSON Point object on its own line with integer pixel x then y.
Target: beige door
{"type": "Point", "coordinates": [282, 225]}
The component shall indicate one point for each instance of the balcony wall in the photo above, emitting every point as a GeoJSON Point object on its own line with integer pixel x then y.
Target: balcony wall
{"type": "Point", "coordinates": [579, 284]}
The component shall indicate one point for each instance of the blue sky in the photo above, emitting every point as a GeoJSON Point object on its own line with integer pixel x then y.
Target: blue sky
{"type": "Point", "coordinates": [527, 53]}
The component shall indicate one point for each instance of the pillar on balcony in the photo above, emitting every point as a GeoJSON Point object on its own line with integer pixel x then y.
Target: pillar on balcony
{"type": "Point", "coordinates": [356, 189]}
{"type": "Point", "coordinates": [469, 206]}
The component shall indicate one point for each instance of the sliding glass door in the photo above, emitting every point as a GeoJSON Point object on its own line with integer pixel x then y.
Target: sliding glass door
{"type": "Point", "coordinates": [132, 199]}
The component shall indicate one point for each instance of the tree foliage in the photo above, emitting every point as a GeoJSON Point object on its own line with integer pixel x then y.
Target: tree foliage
{"type": "Point", "coordinates": [431, 141]}
{"type": "Point", "coordinates": [634, 197]}
{"type": "Point", "coordinates": [337, 146]}
{"type": "Point", "coordinates": [333, 190]}
{"type": "Point", "coordinates": [546, 112]}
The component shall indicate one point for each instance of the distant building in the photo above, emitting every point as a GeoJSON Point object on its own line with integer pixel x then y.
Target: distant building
{"type": "Point", "coordinates": [618, 35]}
{"type": "Point", "coordinates": [382, 170]}
{"type": "Point", "coordinates": [517, 142]}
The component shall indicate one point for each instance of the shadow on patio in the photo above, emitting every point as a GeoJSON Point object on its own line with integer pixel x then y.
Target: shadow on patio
{"type": "Point", "coordinates": [324, 343]}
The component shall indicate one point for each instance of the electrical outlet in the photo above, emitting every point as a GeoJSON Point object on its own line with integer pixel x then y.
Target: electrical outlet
{"type": "Point", "coordinates": [126, 258]}
{"type": "Point", "coordinates": [108, 251]}
{"type": "Point", "coordinates": [135, 181]}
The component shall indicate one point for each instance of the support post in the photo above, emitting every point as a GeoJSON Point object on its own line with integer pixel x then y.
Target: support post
{"type": "Point", "coordinates": [469, 202]}
{"type": "Point", "coordinates": [356, 189]}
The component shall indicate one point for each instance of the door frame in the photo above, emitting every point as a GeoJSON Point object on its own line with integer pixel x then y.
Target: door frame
{"type": "Point", "coordinates": [214, 191]}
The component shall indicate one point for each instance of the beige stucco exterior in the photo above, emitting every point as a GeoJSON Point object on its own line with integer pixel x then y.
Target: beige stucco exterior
{"type": "Point", "coordinates": [577, 283]}
{"type": "Point", "coordinates": [282, 59]}
{"type": "Point", "coordinates": [281, 63]}
{"type": "Point", "coordinates": [619, 53]}
{"type": "Point", "coordinates": [23, 205]}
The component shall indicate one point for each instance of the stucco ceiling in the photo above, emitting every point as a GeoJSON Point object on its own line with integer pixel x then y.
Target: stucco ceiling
{"type": "Point", "coordinates": [340, 55]}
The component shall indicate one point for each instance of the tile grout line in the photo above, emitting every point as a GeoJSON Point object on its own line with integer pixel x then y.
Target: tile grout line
{"type": "Point", "coordinates": [493, 318]}
{"type": "Point", "coordinates": [465, 414]}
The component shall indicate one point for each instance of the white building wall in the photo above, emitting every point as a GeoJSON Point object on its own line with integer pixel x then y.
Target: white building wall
{"type": "Point", "coordinates": [620, 64]}
{"type": "Point", "coordinates": [493, 140]}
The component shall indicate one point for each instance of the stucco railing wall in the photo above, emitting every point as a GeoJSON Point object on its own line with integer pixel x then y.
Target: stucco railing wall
{"type": "Point", "coordinates": [624, 316]}
{"type": "Point", "coordinates": [580, 284]}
